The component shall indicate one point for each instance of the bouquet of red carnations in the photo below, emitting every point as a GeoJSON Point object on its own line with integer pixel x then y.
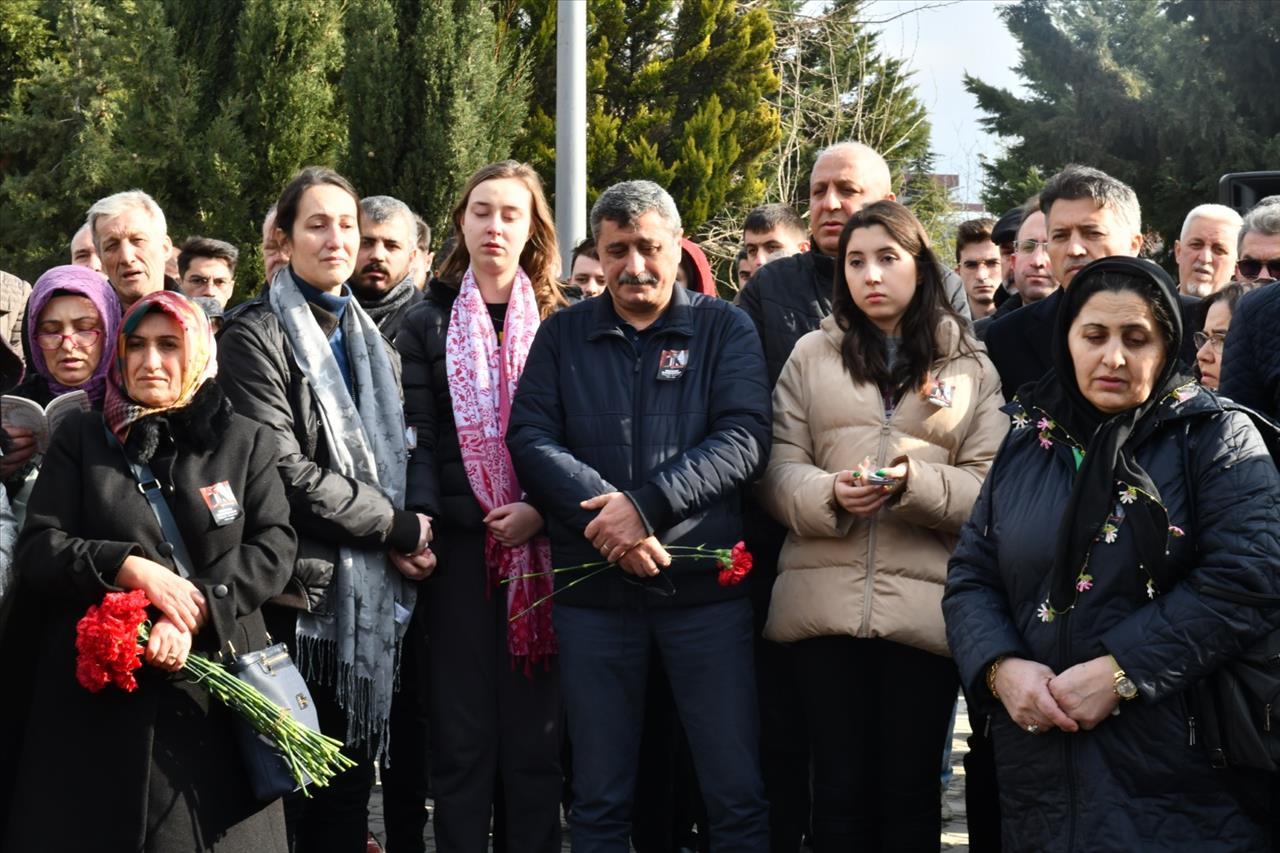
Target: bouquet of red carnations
{"type": "Point", "coordinates": [110, 639]}
{"type": "Point", "coordinates": [734, 563]}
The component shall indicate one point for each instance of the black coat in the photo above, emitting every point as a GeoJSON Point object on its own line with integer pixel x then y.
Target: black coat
{"type": "Point", "coordinates": [261, 377]}
{"type": "Point", "coordinates": [1251, 360]}
{"type": "Point", "coordinates": [437, 482]}
{"type": "Point", "coordinates": [108, 756]}
{"type": "Point", "coordinates": [593, 415]}
{"type": "Point", "coordinates": [786, 300]}
{"type": "Point", "coordinates": [1136, 782]}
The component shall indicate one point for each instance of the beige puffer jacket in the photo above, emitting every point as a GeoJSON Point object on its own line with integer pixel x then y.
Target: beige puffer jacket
{"type": "Point", "coordinates": [839, 574]}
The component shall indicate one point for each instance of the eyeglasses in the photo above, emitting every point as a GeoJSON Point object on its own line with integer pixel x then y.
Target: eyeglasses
{"type": "Point", "coordinates": [1251, 268]}
{"type": "Point", "coordinates": [1028, 247]}
{"type": "Point", "coordinates": [80, 337]}
{"type": "Point", "coordinates": [1215, 340]}
{"type": "Point", "coordinates": [201, 280]}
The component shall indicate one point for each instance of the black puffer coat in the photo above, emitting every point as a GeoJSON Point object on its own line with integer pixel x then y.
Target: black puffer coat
{"type": "Point", "coordinates": [1136, 782]}
{"type": "Point", "coordinates": [437, 483]}
{"type": "Point", "coordinates": [1251, 361]}
{"type": "Point", "coordinates": [595, 413]}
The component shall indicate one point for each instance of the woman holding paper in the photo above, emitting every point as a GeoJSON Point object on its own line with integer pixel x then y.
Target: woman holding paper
{"type": "Point", "coordinates": [72, 318]}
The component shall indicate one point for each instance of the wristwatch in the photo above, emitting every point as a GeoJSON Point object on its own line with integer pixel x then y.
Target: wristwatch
{"type": "Point", "coordinates": [1123, 684]}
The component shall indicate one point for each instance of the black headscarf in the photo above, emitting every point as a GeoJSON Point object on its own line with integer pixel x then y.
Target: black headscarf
{"type": "Point", "coordinates": [1107, 456]}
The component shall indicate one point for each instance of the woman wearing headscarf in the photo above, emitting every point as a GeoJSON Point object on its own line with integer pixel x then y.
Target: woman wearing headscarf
{"type": "Point", "coordinates": [158, 768]}
{"type": "Point", "coordinates": [495, 705]}
{"type": "Point", "coordinates": [1073, 602]}
{"type": "Point", "coordinates": [72, 317]}
{"type": "Point", "coordinates": [885, 421]}
{"type": "Point", "coordinates": [306, 361]}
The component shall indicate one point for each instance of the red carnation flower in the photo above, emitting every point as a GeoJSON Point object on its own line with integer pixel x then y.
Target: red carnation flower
{"type": "Point", "coordinates": [735, 564]}
{"type": "Point", "coordinates": [107, 641]}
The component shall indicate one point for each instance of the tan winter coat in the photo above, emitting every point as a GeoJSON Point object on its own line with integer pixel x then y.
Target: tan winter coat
{"type": "Point", "coordinates": [839, 574]}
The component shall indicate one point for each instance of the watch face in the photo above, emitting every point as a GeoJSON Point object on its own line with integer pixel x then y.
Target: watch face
{"type": "Point", "coordinates": [1126, 688]}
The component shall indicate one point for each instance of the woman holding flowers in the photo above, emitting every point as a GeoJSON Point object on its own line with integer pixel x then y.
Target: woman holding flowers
{"type": "Point", "coordinates": [1078, 601]}
{"type": "Point", "coordinates": [886, 419]}
{"type": "Point", "coordinates": [156, 768]}
{"type": "Point", "coordinates": [495, 692]}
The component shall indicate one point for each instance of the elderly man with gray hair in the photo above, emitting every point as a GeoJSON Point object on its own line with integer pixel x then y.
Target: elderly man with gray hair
{"type": "Point", "coordinates": [1205, 251]}
{"type": "Point", "coordinates": [640, 417]}
{"type": "Point", "coordinates": [1259, 259]}
{"type": "Point", "coordinates": [132, 240]}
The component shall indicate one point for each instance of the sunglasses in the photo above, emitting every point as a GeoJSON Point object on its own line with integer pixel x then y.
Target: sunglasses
{"type": "Point", "coordinates": [1251, 268]}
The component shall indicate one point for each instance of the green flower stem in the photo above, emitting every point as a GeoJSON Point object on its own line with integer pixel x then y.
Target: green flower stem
{"type": "Point", "coordinates": [566, 586]}
{"type": "Point", "coordinates": [578, 567]}
{"type": "Point", "coordinates": [308, 753]}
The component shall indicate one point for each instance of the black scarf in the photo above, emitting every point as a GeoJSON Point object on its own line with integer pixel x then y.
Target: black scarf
{"type": "Point", "coordinates": [1108, 456]}
{"type": "Point", "coordinates": [379, 308]}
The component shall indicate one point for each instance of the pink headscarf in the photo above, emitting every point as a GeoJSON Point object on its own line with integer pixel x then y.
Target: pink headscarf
{"type": "Point", "coordinates": [72, 280]}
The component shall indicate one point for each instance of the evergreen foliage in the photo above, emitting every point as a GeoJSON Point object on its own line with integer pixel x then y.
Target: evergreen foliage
{"type": "Point", "coordinates": [1165, 96]}
{"type": "Point", "coordinates": [678, 93]}
{"type": "Point", "coordinates": [212, 106]}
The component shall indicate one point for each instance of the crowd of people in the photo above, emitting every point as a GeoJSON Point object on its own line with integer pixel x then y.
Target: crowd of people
{"type": "Point", "coordinates": [490, 505]}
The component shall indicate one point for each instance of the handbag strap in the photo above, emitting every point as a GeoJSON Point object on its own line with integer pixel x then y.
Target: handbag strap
{"type": "Point", "coordinates": [150, 488]}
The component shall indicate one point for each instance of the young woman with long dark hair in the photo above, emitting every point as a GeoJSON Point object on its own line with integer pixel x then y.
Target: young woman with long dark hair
{"type": "Point", "coordinates": [886, 419]}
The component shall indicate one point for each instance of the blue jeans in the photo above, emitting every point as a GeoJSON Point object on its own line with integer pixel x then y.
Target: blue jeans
{"type": "Point", "coordinates": [707, 653]}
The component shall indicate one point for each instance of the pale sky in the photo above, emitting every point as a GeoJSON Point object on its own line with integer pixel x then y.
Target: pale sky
{"type": "Point", "coordinates": [940, 41]}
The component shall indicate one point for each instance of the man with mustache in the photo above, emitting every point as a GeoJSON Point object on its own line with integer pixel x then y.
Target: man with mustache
{"type": "Point", "coordinates": [1206, 249]}
{"type": "Point", "coordinates": [383, 281]}
{"type": "Point", "coordinates": [1088, 215]}
{"type": "Point", "coordinates": [641, 416]}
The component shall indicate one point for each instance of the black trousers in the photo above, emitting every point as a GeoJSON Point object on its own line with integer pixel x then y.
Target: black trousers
{"type": "Point", "coordinates": [784, 742]}
{"type": "Point", "coordinates": [491, 722]}
{"type": "Point", "coordinates": [981, 794]}
{"type": "Point", "coordinates": [877, 713]}
{"type": "Point", "coordinates": [335, 818]}
{"type": "Point", "coordinates": [405, 785]}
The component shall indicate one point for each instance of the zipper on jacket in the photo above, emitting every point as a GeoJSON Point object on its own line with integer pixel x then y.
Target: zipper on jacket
{"type": "Point", "coordinates": [865, 629]}
{"type": "Point", "coordinates": [1191, 730]}
{"type": "Point", "coordinates": [638, 352]}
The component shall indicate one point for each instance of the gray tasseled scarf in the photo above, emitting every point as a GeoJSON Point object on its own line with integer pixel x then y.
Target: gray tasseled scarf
{"type": "Point", "coordinates": [355, 646]}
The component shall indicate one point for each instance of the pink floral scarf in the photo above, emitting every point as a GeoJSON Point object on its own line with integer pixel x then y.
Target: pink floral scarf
{"type": "Point", "coordinates": [482, 380]}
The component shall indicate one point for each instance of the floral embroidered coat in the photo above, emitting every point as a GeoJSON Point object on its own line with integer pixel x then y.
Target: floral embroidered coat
{"type": "Point", "coordinates": [1137, 781]}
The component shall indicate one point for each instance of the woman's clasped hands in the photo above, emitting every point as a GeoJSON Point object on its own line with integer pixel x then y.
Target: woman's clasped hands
{"type": "Point", "coordinates": [1037, 699]}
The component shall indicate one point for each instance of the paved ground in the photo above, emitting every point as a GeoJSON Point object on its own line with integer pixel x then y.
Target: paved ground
{"type": "Point", "coordinates": [955, 833]}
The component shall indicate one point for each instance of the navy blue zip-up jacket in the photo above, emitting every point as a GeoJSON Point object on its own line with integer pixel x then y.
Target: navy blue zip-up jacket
{"type": "Point", "coordinates": [677, 416]}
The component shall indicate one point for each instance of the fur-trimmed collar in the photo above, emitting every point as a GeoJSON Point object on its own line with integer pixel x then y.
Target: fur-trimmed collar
{"type": "Point", "coordinates": [197, 426]}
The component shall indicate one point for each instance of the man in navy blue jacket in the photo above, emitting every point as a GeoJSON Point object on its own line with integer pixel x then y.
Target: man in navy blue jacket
{"type": "Point", "coordinates": [640, 416]}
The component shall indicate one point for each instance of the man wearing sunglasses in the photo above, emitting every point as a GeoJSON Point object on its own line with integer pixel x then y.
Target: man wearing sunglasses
{"type": "Point", "coordinates": [1251, 360]}
{"type": "Point", "coordinates": [1260, 243]}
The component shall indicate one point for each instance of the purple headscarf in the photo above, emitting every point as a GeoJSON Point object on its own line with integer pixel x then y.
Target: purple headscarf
{"type": "Point", "coordinates": [72, 280]}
